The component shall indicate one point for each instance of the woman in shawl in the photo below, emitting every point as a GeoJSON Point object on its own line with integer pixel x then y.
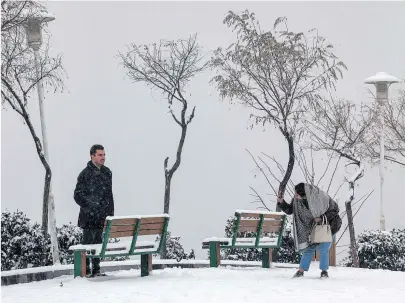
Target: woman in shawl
{"type": "Point", "coordinates": [308, 206]}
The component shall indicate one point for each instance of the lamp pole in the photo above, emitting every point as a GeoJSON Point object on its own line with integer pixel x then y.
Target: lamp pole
{"type": "Point", "coordinates": [33, 26]}
{"type": "Point", "coordinates": [381, 82]}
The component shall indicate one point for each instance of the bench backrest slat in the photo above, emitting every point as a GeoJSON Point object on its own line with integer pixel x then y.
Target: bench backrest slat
{"type": "Point", "coordinates": [271, 229]}
{"type": "Point", "coordinates": [128, 221]}
{"type": "Point", "coordinates": [116, 228]}
{"type": "Point", "coordinates": [122, 234]}
{"type": "Point", "coordinates": [153, 220]}
{"type": "Point", "coordinates": [265, 229]}
{"type": "Point", "coordinates": [151, 226]}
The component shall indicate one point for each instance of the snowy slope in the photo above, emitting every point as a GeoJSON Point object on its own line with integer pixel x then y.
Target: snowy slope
{"type": "Point", "coordinates": [217, 285]}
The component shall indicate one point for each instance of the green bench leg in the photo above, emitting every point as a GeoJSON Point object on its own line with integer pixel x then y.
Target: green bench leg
{"type": "Point", "coordinates": [146, 265]}
{"type": "Point", "coordinates": [80, 263]}
{"type": "Point", "coordinates": [215, 256]}
{"type": "Point", "coordinates": [267, 255]}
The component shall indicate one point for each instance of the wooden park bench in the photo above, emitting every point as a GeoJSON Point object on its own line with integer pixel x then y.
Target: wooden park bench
{"type": "Point", "coordinates": [120, 227]}
{"type": "Point", "coordinates": [258, 222]}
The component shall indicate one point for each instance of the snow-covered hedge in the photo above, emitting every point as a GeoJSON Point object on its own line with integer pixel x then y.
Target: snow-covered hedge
{"type": "Point", "coordinates": [381, 250]}
{"type": "Point", "coordinates": [285, 254]}
{"type": "Point", "coordinates": [174, 249]}
{"type": "Point", "coordinates": [68, 235]}
{"type": "Point", "coordinates": [23, 245]}
{"type": "Point", "coordinates": [22, 242]}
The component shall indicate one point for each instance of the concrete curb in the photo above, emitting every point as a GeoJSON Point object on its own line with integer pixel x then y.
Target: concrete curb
{"type": "Point", "coordinates": [46, 273]}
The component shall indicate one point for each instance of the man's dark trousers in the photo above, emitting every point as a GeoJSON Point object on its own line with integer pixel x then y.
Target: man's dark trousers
{"type": "Point", "coordinates": [92, 236]}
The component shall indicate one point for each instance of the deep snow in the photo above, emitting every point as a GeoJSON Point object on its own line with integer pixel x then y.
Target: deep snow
{"type": "Point", "coordinates": [217, 285]}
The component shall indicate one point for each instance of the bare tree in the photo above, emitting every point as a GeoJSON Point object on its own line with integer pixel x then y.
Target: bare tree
{"type": "Point", "coordinates": [340, 127]}
{"type": "Point", "coordinates": [275, 74]}
{"type": "Point", "coordinates": [394, 132]}
{"type": "Point", "coordinates": [19, 76]}
{"type": "Point", "coordinates": [168, 67]}
{"type": "Point", "coordinates": [323, 177]}
{"type": "Point", "coordinates": [307, 168]}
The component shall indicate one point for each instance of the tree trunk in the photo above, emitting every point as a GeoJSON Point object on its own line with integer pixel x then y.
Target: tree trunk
{"type": "Point", "coordinates": [170, 172]}
{"type": "Point", "coordinates": [45, 201]}
{"type": "Point", "coordinates": [166, 205]}
{"type": "Point", "coordinates": [353, 246]}
{"type": "Point", "coordinates": [349, 214]}
{"type": "Point", "coordinates": [168, 180]}
{"type": "Point", "coordinates": [48, 175]}
{"type": "Point", "coordinates": [290, 165]}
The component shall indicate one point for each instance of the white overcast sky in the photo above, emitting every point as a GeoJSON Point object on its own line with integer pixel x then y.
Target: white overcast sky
{"type": "Point", "coordinates": [104, 106]}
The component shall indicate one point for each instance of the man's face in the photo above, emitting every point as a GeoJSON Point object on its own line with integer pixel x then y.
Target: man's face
{"type": "Point", "coordinates": [99, 157]}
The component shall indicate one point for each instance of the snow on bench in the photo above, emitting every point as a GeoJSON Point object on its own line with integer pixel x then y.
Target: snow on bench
{"type": "Point", "coordinates": [121, 247]}
{"type": "Point", "coordinates": [241, 241]}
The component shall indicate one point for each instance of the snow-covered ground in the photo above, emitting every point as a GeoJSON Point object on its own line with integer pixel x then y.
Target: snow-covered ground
{"type": "Point", "coordinates": [217, 285]}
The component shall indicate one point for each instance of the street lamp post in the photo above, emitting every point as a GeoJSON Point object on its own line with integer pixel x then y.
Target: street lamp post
{"type": "Point", "coordinates": [33, 26]}
{"type": "Point", "coordinates": [381, 81]}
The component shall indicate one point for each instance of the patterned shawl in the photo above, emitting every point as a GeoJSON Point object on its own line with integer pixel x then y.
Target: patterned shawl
{"type": "Point", "coordinates": [318, 204]}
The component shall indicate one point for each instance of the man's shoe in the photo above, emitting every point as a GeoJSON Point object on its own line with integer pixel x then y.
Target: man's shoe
{"type": "Point", "coordinates": [298, 274]}
{"type": "Point", "coordinates": [88, 272]}
{"type": "Point", "coordinates": [97, 273]}
{"type": "Point", "coordinates": [324, 274]}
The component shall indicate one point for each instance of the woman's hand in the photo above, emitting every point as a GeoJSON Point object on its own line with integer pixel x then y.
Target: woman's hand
{"type": "Point", "coordinates": [280, 198]}
{"type": "Point", "coordinates": [317, 220]}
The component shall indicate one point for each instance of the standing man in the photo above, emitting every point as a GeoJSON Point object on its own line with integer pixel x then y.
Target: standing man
{"type": "Point", "coordinates": [93, 193]}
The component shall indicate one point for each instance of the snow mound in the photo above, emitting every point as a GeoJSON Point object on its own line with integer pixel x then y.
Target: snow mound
{"type": "Point", "coordinates": [217, 285]}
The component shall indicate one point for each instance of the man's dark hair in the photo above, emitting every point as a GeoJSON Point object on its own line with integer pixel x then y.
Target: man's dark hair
{"type": "Point", "coordinates": [95, 148]}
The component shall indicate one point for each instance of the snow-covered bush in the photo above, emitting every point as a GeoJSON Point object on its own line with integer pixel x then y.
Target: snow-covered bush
{"type": "Point", "coordinates": [68, 235]}
{"type": "Point", "coordinates": [174, 249]}
{"type": "Point", "coordinates": [381, 250]}
{"type": "Point", "coordinates": [22, 243]}
{"type": "Point", "coordinates": [285, 254]}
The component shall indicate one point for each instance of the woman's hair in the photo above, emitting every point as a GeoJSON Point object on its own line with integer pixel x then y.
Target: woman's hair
{"type": "Point", "coordinates": [300, 189]}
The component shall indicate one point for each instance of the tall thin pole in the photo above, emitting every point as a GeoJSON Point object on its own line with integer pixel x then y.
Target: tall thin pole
{"type": "Point", "coordinates": [382, 81]}
{"type": "Point", "coordinates": [51, 201]}
{"type": "Point", "coordinates": [382, 94]}
{"type": "Point", "coordinates": [41, 105]}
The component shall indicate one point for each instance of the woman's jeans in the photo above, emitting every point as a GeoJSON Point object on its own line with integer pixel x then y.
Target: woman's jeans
{"type": "Point", "coordinates": [309, 252]}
